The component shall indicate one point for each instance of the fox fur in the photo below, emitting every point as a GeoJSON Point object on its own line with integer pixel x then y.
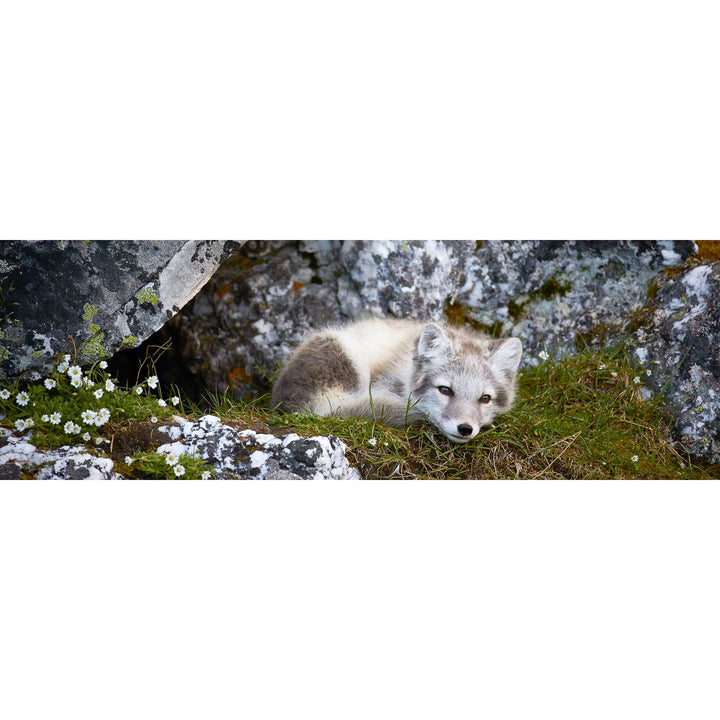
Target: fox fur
{"type": "Point", "coordinates": [400, 372]}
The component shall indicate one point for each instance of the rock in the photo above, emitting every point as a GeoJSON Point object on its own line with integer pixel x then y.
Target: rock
{"type": "Point", "coordinates": [93, 296]}
{"type": "Point", "coordinates": [65, 463]}
{"type": "Point", "coordinates": [257, 456]}
{"type": "Point", "coordinates": [556, 296]}
{"type": "Point", "coordinates": [244, 455]}
{"type": "Point", "coordinates": [676, 338]}
{"type": "Point", "coordinates": [560, 296]}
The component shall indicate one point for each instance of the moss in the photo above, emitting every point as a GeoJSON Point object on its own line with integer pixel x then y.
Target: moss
{"type": "Point", "coordinates": [479, 244]}
{"type": "Point", "coordinates": [128, 340]}
{"type": "Point", "coordinates": [552, 287]}
{"type": "Point", "coordinates": [457, 314]}
{"type": "Point", "coordinates": [708, 250]}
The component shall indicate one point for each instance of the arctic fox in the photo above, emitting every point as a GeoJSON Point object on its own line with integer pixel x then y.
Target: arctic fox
{"type": "Point", "coordinates": [402, 371]}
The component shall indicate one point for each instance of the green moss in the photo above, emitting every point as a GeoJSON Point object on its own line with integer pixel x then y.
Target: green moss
{"type": "Point", "coordinates": [458, 314]}
{"type": "Point", "coordinates": [551, 288]}
{"type": "Point", "coordinates": [128, 340]}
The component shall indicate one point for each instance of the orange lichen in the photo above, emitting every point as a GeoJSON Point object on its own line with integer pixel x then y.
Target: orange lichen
{"type": "Point", "coordinates": [238, 376]}
{"type": "Point", "coordinates": [297, 285]}
{"type": "Point", "coordinates": [223, 290]}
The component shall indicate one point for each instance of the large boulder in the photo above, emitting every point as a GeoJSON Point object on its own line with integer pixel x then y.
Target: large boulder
{"type": "Point", "coordinates": [93, 297]}
{"type": "Point", "coordinates": [675, 337]}
{"type": "Point", "coordinates": [554, 295]}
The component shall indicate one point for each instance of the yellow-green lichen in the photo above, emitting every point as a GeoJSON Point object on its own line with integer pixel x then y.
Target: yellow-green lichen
{"type": "Point", "coordinates": [129, 340]}
{"type": "Point", "coordinates": [147, 295]}
{"type": "Point", "coordinates": [89, 312]}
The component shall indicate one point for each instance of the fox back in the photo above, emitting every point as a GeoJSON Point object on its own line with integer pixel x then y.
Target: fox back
{"type": "Point", "coordinates": [400, 371]}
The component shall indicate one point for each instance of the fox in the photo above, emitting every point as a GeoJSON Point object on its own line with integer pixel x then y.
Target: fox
{"type": "Point", "coordinates": [402, 372]}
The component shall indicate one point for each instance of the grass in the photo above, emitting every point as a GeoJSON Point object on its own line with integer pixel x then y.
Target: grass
{"type": "Point", "coordinates": [581, 417]}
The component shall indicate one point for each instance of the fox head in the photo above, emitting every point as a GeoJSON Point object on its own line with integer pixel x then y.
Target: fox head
{"type": "Point", "coordinates": [461, 381]}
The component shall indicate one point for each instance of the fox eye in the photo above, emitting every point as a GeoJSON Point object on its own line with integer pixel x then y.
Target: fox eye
{"type": "Point", "coordinates": [485, 398]}
{"type": "Point", "coordinates": [445, 390]}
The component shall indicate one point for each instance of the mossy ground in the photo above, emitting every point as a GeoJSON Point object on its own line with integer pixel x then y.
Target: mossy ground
{"type": "Point", "coordinates": [581, 417]}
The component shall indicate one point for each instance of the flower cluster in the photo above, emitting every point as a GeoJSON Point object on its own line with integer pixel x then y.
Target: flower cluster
{"type": "Point", "coordinates": [74, 401]}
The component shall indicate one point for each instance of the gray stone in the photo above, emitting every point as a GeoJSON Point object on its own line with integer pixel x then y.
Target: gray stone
{"type": "Point", "coordinates": [553, 295]}
{"type": "Point", "coordinates": [65, 463]}
{"type": "Point", "coordinates": [558, 296]}
{"type": "Point", "coordinates": [256, 456]}
{"type": "Point", "coordinates": [675, 338]}
{"type": "Point", "coordinates": [93, 297]}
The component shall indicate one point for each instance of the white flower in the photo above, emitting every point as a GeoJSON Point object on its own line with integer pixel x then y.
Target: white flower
{"type": "Point", "coordinates": [102, 365]}
{"type": "Point", "coordinates": [88, 382]}
{"type": "Point", "coordinates": [648, 373]}
{"type": "Point", "coordinates": [50, 383]}
{"type": "Point", "coordinates": [614, 374]}
{"type": "Point", "coordinates": [172, 459]}
{"type": "Point", "coordinates": [99, 440]}
{"type": "Point", "coordinates": [86, 436]}
{"type": "Point", "coordinates": [543, 355]}
{"type": "Point", "coordinates": [138, 390]}
{"type": "Point", "coordinates": [634, 458]}
{"type": "Point", "coordinates": [20, 425]}
{"type": "Point", "coordinates": [602, 367]}
{"type": "Point", "coordinates": [66, 358]}
{"type": "Point", "coordinates": [71, 428]}
{"type": "Point", "coordinates": [162, 403]}
{"type": "Point", "coordinates": [179, 470]}
{"type": "Point", "coordinates": [22, 398]}
{"type": "Point", "coordinates": [109, 386]}
{"type": "Point", "coordinates": [152, 381]}
{"type": "Point", "coordinates": [88, 416]}
{"type": "Point", "coordinates": [76, 382]}
{"type": "Point", "coordinates": [55, 418]}
{"type": "Point", "coordinates": [153, 419]}
{"type": "Point", "coordinates": [175, 400]}
{"type": "Point", "coordinates": [98, 393]}
{"type": "Point", "coordinates": [4, 394]}
{"type": "Point", "coordinates": [206, 475]}
{"type": "Point", "coordinates": [372, 441]}
{"type": "Point", "coordinates": [637, 380]}
{"type": "Point", "coordinates": [45, 418]}
{"type": "Point", "coordinates": [75, 371]}
{"type": "Point", "coordinates": [63, 366]}
{"type": "Point", "coordinates": [102, 417]}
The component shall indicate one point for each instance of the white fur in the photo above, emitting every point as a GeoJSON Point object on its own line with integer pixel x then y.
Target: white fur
{"type": "Point", "coordinates": [401, 364]}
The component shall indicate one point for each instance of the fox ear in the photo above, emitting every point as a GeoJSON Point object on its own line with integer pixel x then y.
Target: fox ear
{"type": "Point", "coordinates": [505, 356]}
{"type": "Point", "coordinates": [433, 345]}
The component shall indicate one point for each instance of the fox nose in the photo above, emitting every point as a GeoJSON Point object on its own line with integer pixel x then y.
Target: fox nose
{"type": "Point", "coordinates": [465, 429]}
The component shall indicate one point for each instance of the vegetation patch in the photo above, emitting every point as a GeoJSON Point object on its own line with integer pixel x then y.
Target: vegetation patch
{"type": "Point", "coordinates": [582, 417]}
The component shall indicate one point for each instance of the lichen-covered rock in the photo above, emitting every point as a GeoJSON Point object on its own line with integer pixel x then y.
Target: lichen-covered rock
{"type": "Point", "coordinates": [553, 295]}
{"type": "Point", "coordinates": [93, 296]}
{"type": "Point", "coordinates": [258, 456]}
{"type": "Point", "coordinates": [559, 296]}
{"type": "Point", "coordinates": [18, 456]}
{"type": "Point", "coordinates": [676, 339]}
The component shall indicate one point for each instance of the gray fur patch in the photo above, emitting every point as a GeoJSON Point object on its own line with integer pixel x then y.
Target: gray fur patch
{"type": "Point", "coordinates": [318, 365]}
{"type": "Point", "coordinates": [501, 397]}
{"type": "Point", "coordinates": [398, 387]}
